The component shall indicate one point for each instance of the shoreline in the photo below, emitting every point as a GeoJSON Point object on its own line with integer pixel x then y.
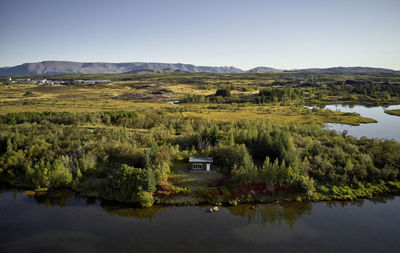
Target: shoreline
{"type": "Point", "coordinates": [279, 198]}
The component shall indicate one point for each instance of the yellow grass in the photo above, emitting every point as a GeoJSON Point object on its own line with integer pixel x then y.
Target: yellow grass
{"type": "Point", "coordinates": [106, 97]}
{"type": "Point", "coordinates": [193, 89]}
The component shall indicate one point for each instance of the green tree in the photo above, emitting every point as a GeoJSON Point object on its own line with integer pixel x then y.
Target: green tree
{"type": "Point", "coordinates": [125, 183]}
{"type": "Point", "coordinates": [59, 175]}
{"type": "Point", "coordinates": [224, 92]}
{"type": "Point", "coordinates": [40, 177]}
{"type": "Point", "coordinates": [145, 199]}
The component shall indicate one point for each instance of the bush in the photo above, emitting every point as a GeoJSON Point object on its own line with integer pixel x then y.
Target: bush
{"type": "Point", "coordinates": [181, 190]}
{"type": "Point", "coordinates": [225, 92]}
{"type": "Point", "coordinates": [145, 199]}
{"type": "Point", "coordinates": [323, 189]}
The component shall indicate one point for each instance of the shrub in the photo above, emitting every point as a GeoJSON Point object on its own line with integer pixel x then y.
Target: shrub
{"type": "Point", "coordinates": [181, 190]}
{"type": "Point", "coordinates": [224, 92]}
{"type": "Point", "coordinates": [145, 199]}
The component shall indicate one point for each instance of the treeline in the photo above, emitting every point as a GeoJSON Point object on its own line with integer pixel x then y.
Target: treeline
{"type": "Point", "coordinates": [124, 155]}
{"type": "Point", "coordinates": [344, 91]}
{"type": "Point", "coordinates": [268, 95]}
{"type": "Point", "coordinates": [375, 90]}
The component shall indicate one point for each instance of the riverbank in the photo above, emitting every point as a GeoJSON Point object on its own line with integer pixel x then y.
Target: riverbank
{"type": "Point", "coordinates": [248, 194]}
{"type": "Point", "coordinates": [185, 188]}
{"type": "Point", "coordinates": [258, 193]}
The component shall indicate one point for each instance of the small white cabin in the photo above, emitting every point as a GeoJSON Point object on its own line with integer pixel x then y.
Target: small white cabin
{"type": "Point", "coordinates": [200, 163]}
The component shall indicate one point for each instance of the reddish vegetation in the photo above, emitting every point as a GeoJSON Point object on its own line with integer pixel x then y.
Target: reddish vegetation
{"type": "Point", "coordinates": [173, 180]}
{"type": "Point", "coordinates": [244, 191]}
{"type": "Point", "coordinates": [167, 190]}
{"type": "Point", "coordinates": [163, 190]}
{"type": "Point", "coordinates": [260, 189]}
{"type": "Point", "coordinates": [253, 189]}
{"type": "Point", "coordinates": [219, 182]}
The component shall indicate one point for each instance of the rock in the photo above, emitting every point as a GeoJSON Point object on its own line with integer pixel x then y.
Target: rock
{"type": "Point", "coordinates": [215, 208]}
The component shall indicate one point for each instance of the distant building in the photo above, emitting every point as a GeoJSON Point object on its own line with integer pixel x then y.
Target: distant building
{"type": "Point", "coordinates": [200, 163]}
{"type": "Point", "coordinates": [5, 79]}
{"type": "Point", "coordinates": [100, 81]}
{"type": "Point", "coordinates": [17, 80]}
{"type": "Point", "coordinates": [91, 81]}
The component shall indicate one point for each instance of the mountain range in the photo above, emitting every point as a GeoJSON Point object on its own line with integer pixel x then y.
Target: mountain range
{"type": "Point", "coordinates": [68, 67]}
{"type": "Point", "coordinates": [355, 70]}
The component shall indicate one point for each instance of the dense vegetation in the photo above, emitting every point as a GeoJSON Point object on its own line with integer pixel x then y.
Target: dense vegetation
{"type": "Point", "coordinates": [121, 141]}
{"type": "Point", "coordinates": [125, 155]}
{"type": "Point", "coordinates": [350, 92]}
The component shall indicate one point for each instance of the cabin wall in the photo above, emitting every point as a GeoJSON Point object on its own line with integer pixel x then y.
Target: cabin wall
{"type": "Point", "coordinates": [204, 166]}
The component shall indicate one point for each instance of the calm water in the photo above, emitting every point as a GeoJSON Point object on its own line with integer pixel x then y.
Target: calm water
{"type": "Point", "coordinates": [388, 126]}
{"type": "Point", "coordinates": [68, 223]}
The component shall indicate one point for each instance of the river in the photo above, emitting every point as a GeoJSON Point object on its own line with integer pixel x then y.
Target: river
{"type": "Point", "coordinates": [62, 221]}
{"type": "Point", "coordinates": [387, 126]}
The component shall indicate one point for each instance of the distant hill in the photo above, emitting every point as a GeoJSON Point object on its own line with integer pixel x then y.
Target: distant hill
{"type": "Point", "coordinates": [339, 70]}
{"type": "Point", "coordinates": [264, 69]}
{"type": "Point", "coordinates": [67, 67]}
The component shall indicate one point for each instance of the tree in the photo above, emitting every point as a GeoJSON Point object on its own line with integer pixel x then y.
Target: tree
{"type": "Point", "coordinates": [245, 160]}
{"type": "Point", "coordinates": [150, 180]}
{"type": "Point", "coordinates": [224, 92]}
{"type": "Point", "coordinates": [125, 183]}
{"type": "Point", "coordinates": [59, 175]}
{"type": "Point", "coordinates": [270, 170]}
{"type": "Point", "coordinates": [283, 173]}
{"type": "Point", "coordinates": [145, 199]}
{"type": "Point", "coordinates": [307, 184]}
{"type": "Point", "coordinates": [274, 174]}
{"type": "Point", "coordinates": [161, 172]}
{"type": "Point", "coordinates": [265, 169]}
{"type": "Point", "coordinates": [40, 177]}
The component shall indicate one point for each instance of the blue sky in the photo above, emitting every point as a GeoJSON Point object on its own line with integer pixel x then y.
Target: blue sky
{"type": "Point", "coordinates": [245, 34]}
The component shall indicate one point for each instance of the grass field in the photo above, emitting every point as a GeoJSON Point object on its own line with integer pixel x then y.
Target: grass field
{"type": "Point", "coordinates": [153, 95]}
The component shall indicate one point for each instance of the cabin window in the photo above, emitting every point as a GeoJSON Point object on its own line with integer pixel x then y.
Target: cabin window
{"type": "Point", "coordinates": [197, 166]}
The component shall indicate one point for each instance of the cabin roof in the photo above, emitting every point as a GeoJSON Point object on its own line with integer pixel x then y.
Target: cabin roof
{"type": "Point", "coordinates": [200, 159]}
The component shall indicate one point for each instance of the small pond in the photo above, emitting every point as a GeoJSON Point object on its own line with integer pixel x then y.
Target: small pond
{"type": "Point", "coordinates": [388, 126]}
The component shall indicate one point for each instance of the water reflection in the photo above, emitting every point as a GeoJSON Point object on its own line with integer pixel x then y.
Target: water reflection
{"type": "Point", "coordinates": [63, 221]}
{"type": "Point", "coordinates": [286, 213]}
{"type": "Point", "coordinates": [273, 214]}
{"type": "Point", "coordinates": [65, 197]}
{"type": "Point", "coordinates": [131, 211]}
{"type": "Point", "coordinates": [59, 197]}
{"type": "Point", "coordinates": [266, 214]}
{"type": "Point", "coordinates": [360, 202]}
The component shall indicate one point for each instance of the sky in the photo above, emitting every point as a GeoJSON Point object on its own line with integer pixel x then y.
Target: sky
{"type": "Point", "coordinates": [245, 34]}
